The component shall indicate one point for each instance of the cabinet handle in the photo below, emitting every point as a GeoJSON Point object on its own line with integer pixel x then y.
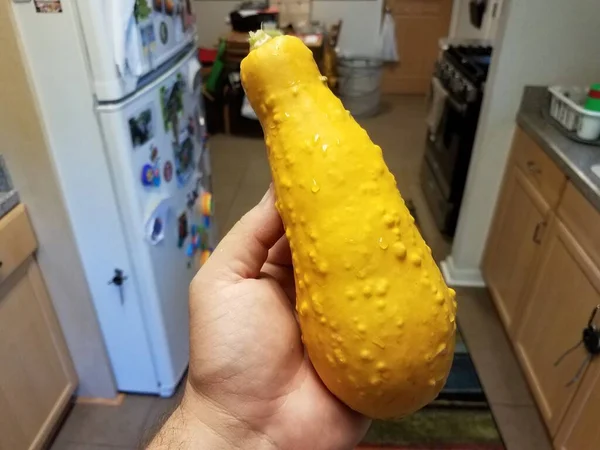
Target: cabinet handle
{"type": "Point", "coordinates": [538, 232]}
{"type": "Point", "coordinates": [533, 167]}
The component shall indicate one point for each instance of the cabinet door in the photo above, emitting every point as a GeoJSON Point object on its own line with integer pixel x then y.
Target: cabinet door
{"type": "Point", "coordinates": [513, 245]}
{"type": "Point", "coordinates": [36, 374]}
{"type": "Point", "coordinates": [579, 430]}
{"type": "Point", "coordinates": [420, 24]}
{"type": "Point", "coordinates": [564, 291]}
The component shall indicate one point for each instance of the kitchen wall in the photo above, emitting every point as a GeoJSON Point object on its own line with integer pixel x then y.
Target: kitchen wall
{"type": "Point", "coordinates": [540, 42]}
{"type": "Point", "coordinates": [461, 21]}
{"type": "Point", "coordinates": [25, 149]}
{"type": "Point", "coordinates": [360, 29]}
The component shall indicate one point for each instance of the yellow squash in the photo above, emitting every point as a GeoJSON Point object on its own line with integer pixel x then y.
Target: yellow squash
{"type": "Point", "coordinates": [376, 316]}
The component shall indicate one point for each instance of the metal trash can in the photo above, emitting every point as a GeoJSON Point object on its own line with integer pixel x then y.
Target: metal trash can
{"type": "Point", "coordinates": [359, 84]}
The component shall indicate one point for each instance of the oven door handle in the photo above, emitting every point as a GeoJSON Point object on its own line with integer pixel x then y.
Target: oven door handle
{"type": "Point", "coordinates": [458, 106]}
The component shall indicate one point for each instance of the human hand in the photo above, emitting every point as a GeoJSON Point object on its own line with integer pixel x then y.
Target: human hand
{"type": "Point", "coordinates": [250, 383]}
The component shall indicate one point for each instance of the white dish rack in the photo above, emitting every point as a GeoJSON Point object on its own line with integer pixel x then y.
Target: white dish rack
{"type": "Point", "coordinates": [566, 107]}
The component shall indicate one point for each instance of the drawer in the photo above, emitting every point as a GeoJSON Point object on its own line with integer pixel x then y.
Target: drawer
{"type": "Point", "coordinates": [538, 168]}
{"type": "Point", "coordinates": [17, 240]}
{"type": "Point", "coordinates": [583, 221]}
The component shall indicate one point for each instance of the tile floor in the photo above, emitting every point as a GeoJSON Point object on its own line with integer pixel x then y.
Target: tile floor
{"type": "Point", "coordinates": [240, 178]}
{"type": "Point", "coordinates": [124, 427]}
{"type": "Point", "coordinates": [510, 400]}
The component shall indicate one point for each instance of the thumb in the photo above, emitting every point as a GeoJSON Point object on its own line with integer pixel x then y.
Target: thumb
{"type": "Point", "coordinates": [243, 251]}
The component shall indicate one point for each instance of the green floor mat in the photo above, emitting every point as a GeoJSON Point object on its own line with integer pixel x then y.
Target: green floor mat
{"type": "Point", "coordinates": [436, 426]}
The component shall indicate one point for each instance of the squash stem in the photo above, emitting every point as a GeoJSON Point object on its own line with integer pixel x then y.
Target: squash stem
{"type": "Point", "coordinates": [258, 38]}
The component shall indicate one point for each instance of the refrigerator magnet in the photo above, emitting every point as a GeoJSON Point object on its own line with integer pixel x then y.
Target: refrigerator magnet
{"type": "Point", "coordinates": [171, 7]}
{"type": "Point", "coordinates": [148, 38]}
{"type": "Point", "coordinates": [206, 203]}
{"type": "Point", "coordinates": [156, 219]}
{"type": "Point", "coordinates": [182, 229]}
{"type": "Point", "coordinates": [150, 175]}
{"type": "Point", "coordinates": [196, 242]}
{"type": "Point", "coordinates": [171, 103]}
{"type": "Point", "coordinates": [141, 11]}
{"type": "Point", "coordinates": [48, 6]}
{"type": "Point", "coordinates": [189, 18]}
{"type": "Point", "coordinates": [163, 32]}
{"type": "Point", "coordinates": [154, 154]}
{"type": "Point", "coordinates": [191, 199]}
{"type": "Point", "coordinates": [204, 256]}
{"type": "Point", "coordinates": [168, 171]}
{"type": "Point", "coordinates": [141, 128]}
{"type": "Point", "coordinates": [184, 164]}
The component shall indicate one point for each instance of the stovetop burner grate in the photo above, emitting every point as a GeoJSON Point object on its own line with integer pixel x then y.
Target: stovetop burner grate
{"type": "Point", "coordinates": [472, 61]}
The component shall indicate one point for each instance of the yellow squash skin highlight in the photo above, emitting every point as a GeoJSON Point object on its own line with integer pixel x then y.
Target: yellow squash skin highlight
{"type": "Point", "coordinates": [377, 319]}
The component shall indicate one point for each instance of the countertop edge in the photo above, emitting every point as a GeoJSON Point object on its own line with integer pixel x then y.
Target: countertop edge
{"type": "Point", "coordinates": [9, 196]}
{"type": "Point", "coordinates": [8, 200]}
{"type": "Point", "coordinates": [573, 158]}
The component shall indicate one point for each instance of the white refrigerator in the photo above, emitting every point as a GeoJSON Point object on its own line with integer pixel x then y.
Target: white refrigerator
{"type": "Point", "coordinates": [119, 92]}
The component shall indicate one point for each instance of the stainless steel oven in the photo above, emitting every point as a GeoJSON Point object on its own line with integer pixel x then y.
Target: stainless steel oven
{"type": "Point", "coordinates": [460, 75]}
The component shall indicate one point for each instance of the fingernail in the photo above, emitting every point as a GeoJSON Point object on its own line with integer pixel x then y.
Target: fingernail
{"type": "Point", "coordinates": [268, 195]}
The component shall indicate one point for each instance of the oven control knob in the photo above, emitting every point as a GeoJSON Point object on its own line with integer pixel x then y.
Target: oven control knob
{"type": "Point", "coordinates": [441, 71]}
{"type": "Point", "coordinates": [457, 84]}
{"type": "Point", "coordinates": [470, 93]}
{"type": "Point", "coordinates": [445, 71]}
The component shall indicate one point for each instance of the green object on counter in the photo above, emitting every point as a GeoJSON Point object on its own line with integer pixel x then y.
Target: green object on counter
{"type": "Point", "coordinates": [592, 103]}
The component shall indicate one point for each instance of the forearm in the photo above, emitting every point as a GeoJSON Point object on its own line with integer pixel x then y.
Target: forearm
{"type": "Point", "coordinates": [194, 425]}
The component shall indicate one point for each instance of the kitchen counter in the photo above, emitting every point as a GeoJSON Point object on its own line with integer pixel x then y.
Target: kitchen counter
{"type": "Point", "coordinates": [9, 197]}
{"type": "Point", "coordinates": [573, 158]}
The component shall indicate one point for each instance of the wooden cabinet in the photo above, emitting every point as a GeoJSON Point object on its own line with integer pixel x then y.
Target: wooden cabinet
{"type": "Point", "coordinates": [420, 24]}
{"type": "Point", "coordinates": [542, 266]}
{"type": "Point", "coordinates": [513, 244]}
{"type": "Point", "coordinates": [531, 186]}
{"type": "Point", "coordinates": [564, 291]}
{"type": "Point", "coordinates": [37, 378]}
{"type": "Point", "coordinates": [579, 429]}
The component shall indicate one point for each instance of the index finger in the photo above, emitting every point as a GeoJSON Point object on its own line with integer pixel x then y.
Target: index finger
{"type": "Point", "coordinates": [280, 254]}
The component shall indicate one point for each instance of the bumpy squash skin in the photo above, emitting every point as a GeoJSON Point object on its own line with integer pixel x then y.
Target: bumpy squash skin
{"type": "Point", "coordinates": [376, 316]}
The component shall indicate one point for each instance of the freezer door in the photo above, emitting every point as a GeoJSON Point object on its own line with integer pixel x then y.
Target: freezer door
{"type": "Point", "coordinates": [154, 149]}
{"type": "Point", "coordinates": [173, 26]}
{"type": "Point", "coordinates": [128, 39]}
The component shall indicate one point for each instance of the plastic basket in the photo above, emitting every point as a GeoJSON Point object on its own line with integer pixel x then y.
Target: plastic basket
{"type": "Point", "coordinates": [566, 107]}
